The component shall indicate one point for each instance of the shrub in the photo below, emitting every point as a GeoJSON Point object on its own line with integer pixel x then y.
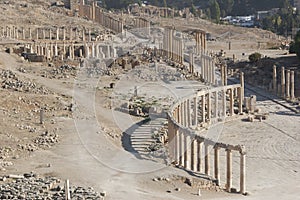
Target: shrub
{"type": "Point", "coordinates": [255, 57]}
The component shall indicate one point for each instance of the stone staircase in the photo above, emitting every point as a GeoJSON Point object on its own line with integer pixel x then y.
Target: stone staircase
{"type": "Point", "coordinates": [141, 138]}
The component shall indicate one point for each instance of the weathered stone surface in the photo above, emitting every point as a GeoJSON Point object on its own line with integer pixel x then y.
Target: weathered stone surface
{"type": "Point", "coordinates": [32, 186]}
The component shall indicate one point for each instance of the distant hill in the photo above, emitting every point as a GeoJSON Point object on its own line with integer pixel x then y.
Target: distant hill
{"type": "Point", "coordinates": [227, 7]}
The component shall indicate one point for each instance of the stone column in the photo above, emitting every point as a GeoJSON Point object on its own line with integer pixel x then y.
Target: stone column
{"type": "Point", "coordinates": [187, 153]}
{"type": "Point", "coordinates": [243, 173]}
{"type": "Point", "coordinates": [55, 50]}
{"type": "Point", "coordinates": [287, 84]}
{"type": "Point", "coordinates": [203, 108]}
{"type": "Point", "coordinates": [224, 102]}
{"type": "Point", "coordinates": [292, 85]}
{"type": "Point", "coordinates": [282, 82]}
{"type": "Point", "coordinates": [189, 121]}
{"type": "Point", "coordinates": [194, 155]}
{"type": "Point", "coordinates": [17, 33]}
{"type": "Point", "coordinates": [90, 37]}
{"type": "Point", "coordinates": [64, 34]}
{"type": "Point", "coordinates": [196, 111]}
{"type": "Point", "coordinates": [67, 190]}
{"type": "Point", "coordinates": [209, 106]}
{"type": "Point", "coordinates": [222, 75]}
{"type": "Point", "coordinates": [93, 50]}
{"type": "Point", "coordinates": [241, 93]}
{"type": "Point", "coordinates": [177, 144]}
{"type": "Point", "coordinates": [23, 34]}
{"type": "Point", "coordinates": [171, 139]}
{"type": "Point", "coordinates": [83, 35]}
{"type": "Point", "coordinates": [229, 170]}
{"type": "Point", "coordinates": [57, 33]}
{"type": "Point", "coordinates": [217, 170]}
{"type": "Point", "coordinates": [37, 34]}
{"type": "Point", "coordinates": [51, 50]}
{"type": "Point", "coordinates": [216, 107]}
{"type": "Point", "coordinates": [182, 150]}
{"type": "Point", "coordinates": [225, 75]}
{"type": "Point", "coordinates": [207, 162]}
{"type": "Point", "coordinates": [179, 114]}
{"type": "Point", "coordinates": [97, 51]}
{"type": "Point", "coordinates": [199, 152]}
{"type": "Point", "coordinates": [30, 35]}
{"type": "Point", "coordinates": [213, 74]}
{"type": "Point", "coordinates": [50, 34]}
{"type": "Point", "coordinates": [231, 101]}
{"type": "Point", "coordinates": [185, 113]}
{"type": "Point", "coordinates": [274, 80]}
{"type": "Point", "coordinates": [71, 33]}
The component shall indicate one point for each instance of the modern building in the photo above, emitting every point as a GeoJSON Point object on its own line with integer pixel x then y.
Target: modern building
{"type": "Point", "coordinates": [297, 4]}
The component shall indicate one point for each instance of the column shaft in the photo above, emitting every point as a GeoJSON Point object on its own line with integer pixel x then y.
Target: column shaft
{"type": "Point", "coordinates": [207, 162]}
{"type": "Point", "coordinates": [229, 171]}
{"type": "Point", "coordinates": [243, 173]}
{"type": "Point", "coordinates": [217, 170]}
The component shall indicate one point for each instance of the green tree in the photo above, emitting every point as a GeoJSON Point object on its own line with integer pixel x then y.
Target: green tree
{"type": "Point", "coordinates": [165, 3]}
{"type": "Point", "coordinates": [215, 10]}
{"type": "Point", "coordinates": [226, 7]}
{"type": "Point", "coordinates": [297, 44]}
{"type": "Point", "coordinates": [255, 57]}
{"type": "Point", "coordinates": [193, 10]}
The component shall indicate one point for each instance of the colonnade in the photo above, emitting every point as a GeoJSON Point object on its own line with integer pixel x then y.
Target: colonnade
{"type": "Point", "coordinates": [143, 23]}
{"type": "Point", "coordinates": [286, 87]}
{"type": "Point", "coordinates": [71, 50]}
{"type": "Point", "coordinates": [192, 151]}
{"type": "Point", "coordinates": [150, 10]}
{"type": "Point", "coordinates": [173, 46]}
{"type": "Point", "coordinates": [49, 34]}
{"type": "Point", "coordinates": [200, 37]}
{"type": "Point", "coordinates": [97, 14]}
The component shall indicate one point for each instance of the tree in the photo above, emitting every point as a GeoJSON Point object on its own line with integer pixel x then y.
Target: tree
{"type": "Point", "coordinates": [255, 57]}
{"type": "Point", "coordinates": [165, 3]}
{"type": "Point", "coordinates": [215, 10]}
{"type": "Point", "coordinates": [297, 44]}
{"type": "Point", "coordinates": [225, 7]}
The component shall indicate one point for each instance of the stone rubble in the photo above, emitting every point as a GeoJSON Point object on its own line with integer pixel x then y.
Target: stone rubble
{"type": "Point", "coordinates": [61, 72]}
{"type": "Point", "coordinates": [35, 187]}
{"type": "Point", "coordinates": [10, 81]}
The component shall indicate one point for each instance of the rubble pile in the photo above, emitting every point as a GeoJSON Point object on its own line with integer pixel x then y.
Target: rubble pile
{"type": "Point", "coordinates": [155, 73]}
{"type": "Point", "coordinates": [10, 81]}
{"type": "Point", "coordinates": [32, 186]}
{"type": "Point", "coordinates": [160, 135]}
{"type": "Point", "coordinates": [61, 72]}
{"type": "Point", "coordinates": [46, 139]}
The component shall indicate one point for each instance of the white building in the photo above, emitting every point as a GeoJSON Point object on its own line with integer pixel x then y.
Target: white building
{"type": "Point", "coordinates": [297, 4]}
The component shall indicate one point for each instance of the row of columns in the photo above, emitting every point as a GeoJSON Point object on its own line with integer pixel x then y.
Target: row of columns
{"type": "Point", "coordinates": [208, 68]}
{"type": "Point", "coordinates": [193, 153]}
{"type": "Point", "coordinates": [143, 23]}
{"type": "Point", "coordinates": [286, 87]}
{"type": "Point", "coordinates": [68, 50]}
{"type": "Point", "coordinates": [95, 13]}
{"type": "Point", "coordinates": [93, 50]}
{"type": "Point", "coordinates": [173, 46]}
{"type": "Point", "coordinates": [205, 106]}
{"type": "Point", "coordinates": [49, 51]}
{"type": "Point", "coordinates": [59, 34]}
{"type": "Point", "coordinates": [200, 37]}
